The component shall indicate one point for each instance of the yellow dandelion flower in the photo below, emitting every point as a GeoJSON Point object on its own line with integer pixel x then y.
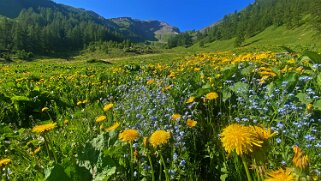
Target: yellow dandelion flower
{"type": "Point", "coordinates": [309, 106]}
{"type": "Point", "coordinates": [196, 69]}
{"type": "Point", "coordinates": [4, 162]}
{"type": "Point", "coordinates": [241, 139]}
{"type": "Point", "coordinates": [37, 150]}
{"type": "Point", "coordinates": [167, 88]}
{"type": "Point", "coordinates": [151, 81]}
{"type": "Point", "coordinates": [66, 121]}
{"type": "Point", "coordinates": [300, 160]}
{"type": "Point", "coordinates": [108, 107]}
{"type": "Point", "coordinates": [191, 123]}
{"type": "Point", "coordinates": [101, 119]}
{"type": "Point", "coordinates": [292, 61]}
{"type": "Point", "coordinates": [159, 137]}
{"type": "Point", "coordinates": [176, 117]}
{"type": "Point", "coordinates": [262, 133]}
{"type": "Point", "coordinates": [190, 100]}
{"type": "Point", "coordinates": [113, 127]}
{"type": "Point", "coordinates": [85, 101]}
{"type": "Point", "coordinates": [299, 69]}
{"type": "Point", "coordinates": [44, 128]}
{"type": "Point", "coordinates": [280, 175]}
{"type": "Point", "coordinates": [172, 74]}
{"type": "Point", "coordinates": [79, 103]}
{"type": "Point", "coordinates": [128, 135]}
{"type": "Point", "coordinates": [45, 109]}
{"type": "Point", "coordinates": [211, 96]}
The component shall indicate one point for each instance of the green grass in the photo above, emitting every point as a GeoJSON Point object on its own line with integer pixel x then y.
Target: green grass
{"type": "Point", "coordinates": [272, 38]}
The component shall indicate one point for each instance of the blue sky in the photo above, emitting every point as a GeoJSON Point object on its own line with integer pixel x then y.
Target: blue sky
{"type": "Point", "coordinates": [184, 14]}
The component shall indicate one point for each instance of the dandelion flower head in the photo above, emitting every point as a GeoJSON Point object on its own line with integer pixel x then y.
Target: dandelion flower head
{"type": "Point", "coordinates": [44, 128]}
{"type": "Point", "coordinates": [176, 117]}
{"type": "Point", "coordinates": [241, 139]}
{"type": "Point", "coordinates": [108, 107]}
{"type": "Point", "coordinates": [191, 123]}
{"type": "Point", "coordinates": [113, 127]}
{"type": "Point", "coordinates": [159, 137]}
{"type": "Point", "coordinates": [300, 160]}
{"type": "Point", "coordinates": [4, 162]}
{"type": "Point", "coordinates": [211, 96]}
{"type": "Point", "coordinates": [190, 100]}
{"type": "Point", "coordinates": [280, 175]}
{"type": "Point", "coordinates": [101, 119]}
{"type": "Point", "coordinates": [128, 135]}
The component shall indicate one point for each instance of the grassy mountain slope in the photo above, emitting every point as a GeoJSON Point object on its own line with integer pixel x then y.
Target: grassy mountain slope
{"type": "Point", "coordinates": [270, 39]}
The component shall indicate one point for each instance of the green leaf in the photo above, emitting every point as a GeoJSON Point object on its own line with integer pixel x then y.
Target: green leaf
{"type": "Point", "coordinates": [240, 88]}
{"type": "Point", "coordinates": [288, 49]}
{"type": "Point", "coordinates": [56, 173]}
{"type": "Point", "coordinates": [303, 97]}
{"type": "Point", "coordinates": [226, 95]}
{"type": "Point", "coordinates": [20, 99]}
{"type": "Point", "coordinates": [319, 80]}
{"type": "Point", "coordinates": [105, 174]}
{"type": "Point", "coordinates": [223, 177]}
{"type": "Point", "coordinates": [247, 71]}
{"type": "Point", "coordinates": [317, 105]}
{"type": "Point", "coordinates": [315, 57]}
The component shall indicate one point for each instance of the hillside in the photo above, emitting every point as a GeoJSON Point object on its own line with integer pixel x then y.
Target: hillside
{"type": "Point", "coordinates": [262, 14]}
{"type": "Point", "coordinates": [45, 27]}
{"type": "Point", "coordinates": [241, 28]}
{"type": "Point", "coordinates": [149, 30]}
{"type": "Point", "coordinates": [272, 38]}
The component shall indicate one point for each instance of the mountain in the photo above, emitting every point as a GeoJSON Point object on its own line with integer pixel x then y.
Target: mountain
{"type": "Point", "coordinates": [148, 30]}
{"type": "Point", "coordinates": [43, 26]}
{"type": "Point", "coordinates": [136, 30]}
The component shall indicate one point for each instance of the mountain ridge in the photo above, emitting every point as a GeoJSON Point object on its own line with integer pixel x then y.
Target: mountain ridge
{"type": "Point", "coordinates": [12, 9]}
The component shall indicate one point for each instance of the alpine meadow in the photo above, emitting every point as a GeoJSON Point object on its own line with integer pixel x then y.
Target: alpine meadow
{"type": "Point", "coordinates": [84, 97]}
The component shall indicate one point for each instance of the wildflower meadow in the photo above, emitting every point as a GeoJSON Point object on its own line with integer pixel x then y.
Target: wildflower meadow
{"type": "Point", "coordinates": [211, 116]}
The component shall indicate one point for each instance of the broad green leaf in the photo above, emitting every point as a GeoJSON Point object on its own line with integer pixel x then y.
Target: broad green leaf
{"type": "Point", "coordinates": [55, 173]}
{"type": "Point", "coordinates": [223, 177]}
{"type": "Point", "coordinates": [315, 57]}
{"type": "Point", "coordinates": [20, 99]}
{"type": "Point", "coordinates": [317, 105]}
{"type": "Point", "coordinates": [240, 88]}
{"type": "Point", "coordinates": [226, 95]}
{"type": "Point", "coordinates": [105, 174]}
{"type": "Point", "coordinates": [303, 98]}
{"type": "Point", "coordinates": [319, 80]}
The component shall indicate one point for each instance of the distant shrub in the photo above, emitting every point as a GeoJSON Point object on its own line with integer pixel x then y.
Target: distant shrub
{"type": "Point", "coordinates": [93, 60]}
{"type": "Point", "coordinates": [23, 55]}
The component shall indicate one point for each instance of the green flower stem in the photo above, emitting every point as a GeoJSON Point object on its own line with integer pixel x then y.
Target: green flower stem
{"type": "Point", "coordinates": [151, 166]}
{"type": "Point", "coordinates": [160, 172]}
{"type": "Point", "coordinates": [131, 161]}
{"type": "Point", "coordinates": [249, 178]}
{"type": "Point", "coordinates": [49, 115]}
{"type": "Point", "coordinates": [52, 148]}
{"type": "Point", "coordinates": [165, 169]}
{"type": "Point", "coordinates": [258, 175]}
{"type": "Point", "coordinates": [47, 146]}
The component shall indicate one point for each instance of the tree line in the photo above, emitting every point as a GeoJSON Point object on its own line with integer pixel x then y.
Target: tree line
{"type": "Point", "coordinates": [51, 30]}
{"type": "Point", "coordinates": [257, 17]}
